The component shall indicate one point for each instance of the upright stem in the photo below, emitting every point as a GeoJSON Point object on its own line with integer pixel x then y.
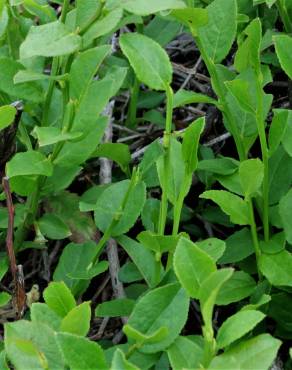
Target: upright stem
{"type": "Point", "coordinates": [265, 157]}
{"type": "Point", "coordinates": [179, 204]}
{"type": "Point", "coordinates": [221, 96]}
{"type": "Point", "coordinates": [33, 199]}
{"type": "Point", "coordinates": [166, 164]}
{"type": "Point", "coordinates": [254, 234]}
{"type": "Point", "coordinates": [54, 70]}
{"type": "Point", "coordinates": [132, 111]}
{"type": "Point", "coordinates": [209, 346]}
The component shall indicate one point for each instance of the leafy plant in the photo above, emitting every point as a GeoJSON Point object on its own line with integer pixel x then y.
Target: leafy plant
{"type": "Point", "coordinates": [117, 198]}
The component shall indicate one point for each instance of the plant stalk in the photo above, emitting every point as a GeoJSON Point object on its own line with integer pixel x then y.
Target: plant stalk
{"type": "Point", "coordinates": [166, 164]}
{"type": "Point", "coordinates": [254, 235]}
{"type": "Point", "coordinates": [265, 158]}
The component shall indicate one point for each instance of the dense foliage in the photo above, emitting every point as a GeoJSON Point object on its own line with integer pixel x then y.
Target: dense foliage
{"type": "Point", "coordinates": [145, 147]}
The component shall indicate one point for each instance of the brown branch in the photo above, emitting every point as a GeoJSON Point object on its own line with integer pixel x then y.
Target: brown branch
{"type": "Point", "coordinates": [9, 237]}
{"type": "Point", "coordinates": [19, 296]}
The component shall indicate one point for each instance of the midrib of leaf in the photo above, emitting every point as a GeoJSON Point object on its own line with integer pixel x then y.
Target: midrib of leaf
{"type": "Point", "coordinates": [216, 43]}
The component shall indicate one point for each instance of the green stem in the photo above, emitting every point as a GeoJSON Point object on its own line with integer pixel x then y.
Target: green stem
{"type": "Point", "coordinates": [265, 158]}
{"type": "Point", "coordinates": [65, 9]}
{"type": "Point", "coordinates": [54, 71]}
{"type": "Point", "coordinates": [132, 111]}
{"type": "Point", "coordinates": [209, 346]}
{"type": "Point", "coordinates": [132, 349]}
{"type": "Point", "coordinates": [166, 164]}
{"type": "Point", "coordinates": [34, 198]}
{"type": "Point", "coordinates": [179, 203]}
{"type": "Point", "coordinates": [254, 234]}
{"type": "Point", "coordinates": [222, 101]}
{"type": "Point", "coordinates": [108, 232]}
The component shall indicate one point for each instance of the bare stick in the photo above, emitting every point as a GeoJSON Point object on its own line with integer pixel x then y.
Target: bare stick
{"type": "Point", "coordinates": [105, 177]}
{"type": "Point", "coordinates": [19, 296]}
{"type": "Point", "coordinates": [9, 237]}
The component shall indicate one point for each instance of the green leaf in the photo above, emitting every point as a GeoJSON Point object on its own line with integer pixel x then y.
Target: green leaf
{"type": "Point", "coordinates": [283, 43]}
{"type": "Point", "coordinates": [116, 204]}
{"type": "Point", "coordinates": [184, 354]}
{"type": "Point", "coordinates": [29, 163]}
{"type": "Point", "coordinates": [102, 26]}
{"type": "Point", "coordinates": [49, 40]}
{"type": "Point", "coordinates": [75, 153]}
{"type": "Point", "coordinates": [277, 268]}
{"type": "Point", "coordinates": [53, 227]}
{"type": "Point", "coordinates": [32, 345]}
{"type": "Point", "coordinates": [81, 353]}
{"type": "Point", "coordinates": [115, 308]}
{"type": "Point", "coordinates": [186, 97]}
{"type": "Point", "coordinates": [117, 152]}
{"type": "Point", "coordinates": [251, 174]}
{"type": "Point", "coordinates": [231, 204]}
{"type": "Point", "coordinates": [40, 312]}
{"type": "Point", "coordinates": [59, 298]}
{"type": "Point", "coordinates": [140, 338]}
{"type": "Point", "coordinates": [248, 53]}
{"type": "Point", "coordinates": [162, 30]}
{"type": "Point", "coordinates": [89, 273]}
{"type": "Point", "coordinates": [129, 273]}
{"type": "Point", "coordinates": [218, 34]}
{"type": "Point", "coordinates": [280, 176]}
{"type": "Point", "coordinates": [151, 155]}
{"type": "Point", "coordinates": [84, 68]}
{"type": "Point", "coordinates": [285, 210]}
{"type": "Point", "coordinates": [61, 179]}
{"type": "Point", "coordinates": [86, 12]}
{"type": "Point", "coordinates": [141, 7]}
{"type": "Point", "coordinates": [238, 246]}
{"type": "Point", "coordinates": [7, 115]}
{"type": "Point", "coordinates": [53, 135]}
{"type": "Point", "coordinates": [236, 326]}
{"type": "Point", "coordinates": [256, 353]}
{"type": "Point", "coordinates": [157, 309]}
{"type": "Point", "coordinates": [275, 245]}
{"type": "Point", "coordinates": [74, 258]}
{"type": "Point", "coordinates": [158, 243]}
{"type": "Point", "coordinates": [213, 247]}
{"type": "Point", "coordinates": [192, 266]}
{"type": "Point", "coordinates": [221, 166]}
{"type": "Point", "coordinates": [4, 298]}
{"type": "Point", "coordinates": [238, 287]}
{"type": "Point", "coordinates": [209, 291]}
{"type": "Point", "coordinates": [174, 181]}
{"type": "Point", "coordinates": [27, 90]}
{"type": "Point", "coordinates": [280, 310]}
{"type": "Point", "coordinates": [240, 89]}
{"type": "Point", "coordinates": [278, 128]}
{"type": "Point", "coordinates": [194, 18]}
{"type": "Point", "coordinates": [120, 362]}
{"type": "Point", "coordinates": [4, 19]}
{"type": "Point", "coordinates": [190, 144]}
{"type": "Point", "coordinates": [3, 363]}
{"type": "Point", "coordinates": [25, 75]}
{"type": "Point", "coordinates": [149, 61]}
{"type": "Point", "coordinates": [143, 259]}
{"type": "Point", "coordinates": [77, 321]}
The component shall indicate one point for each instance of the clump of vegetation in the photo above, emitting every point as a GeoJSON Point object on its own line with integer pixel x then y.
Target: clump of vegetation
{"type": "Point", "coordinates": [146, 200]}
